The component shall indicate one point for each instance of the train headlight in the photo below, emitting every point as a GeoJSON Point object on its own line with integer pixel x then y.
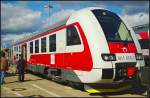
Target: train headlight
{"type": "Point", "coordinates": [108, 57]}
{"type": "Point", "coordinates": [139, 56]}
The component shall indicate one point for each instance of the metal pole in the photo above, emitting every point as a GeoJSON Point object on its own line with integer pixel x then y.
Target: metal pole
{"type": "Point", "coordinates": [49, 10]}
{"type": "Point", "coordinates": [48, 6]}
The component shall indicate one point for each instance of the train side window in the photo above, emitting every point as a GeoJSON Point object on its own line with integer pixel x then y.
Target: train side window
{"type": "Point", "coordinates": [36, 46]}
{"type": "Point", "coordinates": [52, 43]}
{"type": "Point", "coordinates": [72, 36]}
{"type": "Point", "coordinates": [31, 47]}
{"type": "Point", "coordinates": [19, 48]}
{"type": "Point", "coordinates": [43, 44]}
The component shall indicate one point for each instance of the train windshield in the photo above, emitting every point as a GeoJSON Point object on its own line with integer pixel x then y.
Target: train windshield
{"type": "Point", "coordinates": [113, 26]}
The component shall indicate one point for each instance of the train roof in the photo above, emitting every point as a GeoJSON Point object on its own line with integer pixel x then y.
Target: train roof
{"type": "Point", "coordinates": [50, 27]}
{"type": "Point", "coordinates": [142, 25]}
{"type": "Point", "coordinates": [143, 35]}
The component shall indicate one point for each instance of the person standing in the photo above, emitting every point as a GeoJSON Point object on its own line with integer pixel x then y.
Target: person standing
{"type": "Point", "coordinates": [21, 64]}
{"type": "Point", "coordinates": [4, 66]}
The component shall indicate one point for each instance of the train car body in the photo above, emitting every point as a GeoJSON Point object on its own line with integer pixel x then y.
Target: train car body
{"type": "Point", "coordinates": [142, 32]}
{"type": "Point", "coordinates": [92, 45]}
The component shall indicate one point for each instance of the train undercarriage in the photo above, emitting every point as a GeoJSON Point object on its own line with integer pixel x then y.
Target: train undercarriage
{"type": "Point", "coordinates": [56, 75]}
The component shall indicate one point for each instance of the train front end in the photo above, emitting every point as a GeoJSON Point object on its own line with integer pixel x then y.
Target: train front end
{"type": "Point", "coordinates": [118, 55]}
{"type": "Point", "coordinates": [124, 52]}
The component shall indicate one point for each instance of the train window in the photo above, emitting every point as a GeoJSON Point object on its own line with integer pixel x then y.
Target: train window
{"type": "Point", "coordinates": [43, 44]}
{"type": "Point", "coordinates": [144, 43]}
{"type": "Point", "coordinates": [19, 48]}
{"type": "Point", "coordinates": [31, 47]}
{"type": "Point", "coordinates": [36, 46]}
{"type": "Point", "coordinates": [72, 36]}
{"type": "Point", "coordinates": [52, 43]}
{"type": "Point", "coordinates": [14, 49]}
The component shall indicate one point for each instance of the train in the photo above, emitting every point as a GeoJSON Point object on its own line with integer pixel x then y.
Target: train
{"type": "Point", "coordinates": [142, 32]}
{"type": "Point", "coordinates": [90, 46]}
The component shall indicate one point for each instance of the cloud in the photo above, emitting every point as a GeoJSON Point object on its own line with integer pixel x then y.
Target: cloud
{"type": "Point", "coordinates": [9, 39]}
{"type": "Point", "coordinates": [14, 37]}
{"type": "Point", "coordinates": [136, 19]}
{"type": "Point", "coordinates": [104, 3]}
{"type": "Point", "coordinates": [134, 9]}
{"type": "Point", "coordinates": [83, 4]}
{"type": "Point", "coordinates": [58, 16]}
{"type": "Point", "coordinates": [17, 18]}
{"type": "Point", "coordinates": [129, 3]}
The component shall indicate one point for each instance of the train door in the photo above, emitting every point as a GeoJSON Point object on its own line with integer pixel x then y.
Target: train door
{"type": "Point", "coordinates": [57, 44]}
{"type": "Point", "coordinates": [24, 51]}
{"type": "Point", "coordinates": [60, 40]}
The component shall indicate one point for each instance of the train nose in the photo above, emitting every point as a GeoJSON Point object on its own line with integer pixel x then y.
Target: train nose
{"type": "Point", "coordinates": [126, 71]}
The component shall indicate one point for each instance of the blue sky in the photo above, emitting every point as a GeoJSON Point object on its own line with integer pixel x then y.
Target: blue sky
{"type": "Point", "coordinates": [21, 18]}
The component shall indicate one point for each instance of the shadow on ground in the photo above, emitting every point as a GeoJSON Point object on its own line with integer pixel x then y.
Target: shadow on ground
{"type": "Point", "coordinates": [132, 91]}
{"type": "Point", "coordinates": [10, 74]}
{"type": "Point", "coordinates": [24, 81]}
{"type": "Point", "coordinates": [15, 74]}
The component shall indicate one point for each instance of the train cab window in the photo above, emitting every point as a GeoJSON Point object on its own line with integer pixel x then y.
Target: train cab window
{"type": "Point", "coordinates": [31, 47]}
{"type": "Point", "coordinates": [43, 44]}
{"type": "Point", "coordinates": [36, 46]}
{"type": "Point", "coordinates": [72, 36]}
{"type": "Point", "coordinates": [52, 43]}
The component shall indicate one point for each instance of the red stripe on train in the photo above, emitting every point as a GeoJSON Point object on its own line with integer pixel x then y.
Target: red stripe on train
{"type": "Point", "coordinates": [143, 35]}
{"type": "Point", "coordinates": [120, 47]}
{"type": "Point", "coordinates": [45, 33]}
{"type": "Point", "coordinates": [70, 61]}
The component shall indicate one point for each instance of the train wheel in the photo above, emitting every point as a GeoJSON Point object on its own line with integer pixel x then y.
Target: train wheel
{"type": "Point", "coordinates": [76, 85]}
{"type": "Point", "coordinates": [79, 86]}
{"type": "Point", "coordinates": [70, 83]}
{"type": "Point", "coordinates": [45, 72]}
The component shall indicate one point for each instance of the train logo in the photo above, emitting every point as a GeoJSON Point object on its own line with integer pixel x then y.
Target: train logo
{"type": "Point", "coordinates": [124, 49]}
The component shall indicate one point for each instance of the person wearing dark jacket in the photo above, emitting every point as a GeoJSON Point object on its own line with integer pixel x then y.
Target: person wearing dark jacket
{"type": "Point", "coordinates": [21, 64]}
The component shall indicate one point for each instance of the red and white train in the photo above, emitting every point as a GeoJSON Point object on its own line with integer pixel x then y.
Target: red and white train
{"type": "Point", "coordinates": [91, 46]}
{"type": "Point", "coordinates": [142, 32]}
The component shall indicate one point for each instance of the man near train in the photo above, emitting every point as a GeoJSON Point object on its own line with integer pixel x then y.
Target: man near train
{"type": "Point", "coordinates": [21, 64]}
{"type": "Point", "coordinates": [4, 66]}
